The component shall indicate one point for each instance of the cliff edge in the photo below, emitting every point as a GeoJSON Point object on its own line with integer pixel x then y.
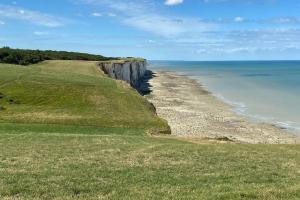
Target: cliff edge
{"type": "Point", "coordinates": [131, 71]}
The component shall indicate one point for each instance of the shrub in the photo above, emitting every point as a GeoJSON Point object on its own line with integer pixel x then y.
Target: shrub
{"type": "Point", "coordinates": [27, 57]}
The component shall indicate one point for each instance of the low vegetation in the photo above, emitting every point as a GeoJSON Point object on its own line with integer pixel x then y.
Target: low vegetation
{"type": "Point", "coordinates": [27, 57]}
{"type": "Point", "coordinates": [69, 132]}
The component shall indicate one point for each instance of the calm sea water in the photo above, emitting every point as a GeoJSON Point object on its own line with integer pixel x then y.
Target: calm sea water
{"type": "Point", "coordinates": [267, 91]}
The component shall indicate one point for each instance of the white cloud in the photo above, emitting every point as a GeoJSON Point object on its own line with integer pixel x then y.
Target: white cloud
{"type": "Point", "coordinates": [111, 15]}
{"type": "Point", "coordinates": [208, 1]}
{"type": "Point", "coordinates": [22, 12]}
{"type": "Point", "coordinates": [168, 27]}
{"type": "Point", "coordinates": [40, 33]}
{"type": "Point", "coordinates": [34, 17]}
{"type": "Point", "coordinates": [97, 14]}
{"type": "Point", "coordinates": [284, 20]}
{"type": "Point", "coordinates": [145, 16]}
{"type": "Point", "coordinates": [173, 2]}
{"type": "Point", "coordinates": [238, 19]}
{"type": "Point", "coordinates": [2, 22]}
{"type": "Point", "coordinates": [151, 41]}
{"type": "Point", "coordinates": [212, 37]}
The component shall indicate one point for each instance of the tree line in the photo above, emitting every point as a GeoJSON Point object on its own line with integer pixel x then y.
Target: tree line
{"type": "Point", "coordinates": [27, 57]}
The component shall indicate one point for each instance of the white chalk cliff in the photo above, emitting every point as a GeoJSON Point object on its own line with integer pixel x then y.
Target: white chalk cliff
{"type": "Point", "coordinates": [129, 71]}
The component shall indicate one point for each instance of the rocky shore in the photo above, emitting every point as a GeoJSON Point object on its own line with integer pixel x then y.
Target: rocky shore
{"type": "Point", "coordinates": [192, 111]}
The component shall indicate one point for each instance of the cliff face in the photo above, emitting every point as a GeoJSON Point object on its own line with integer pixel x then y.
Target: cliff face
{"type": "Point", "coordinates": [129, 71]}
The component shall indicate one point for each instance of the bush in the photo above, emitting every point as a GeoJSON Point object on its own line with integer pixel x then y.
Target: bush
{"type": "Point", "coordinates": [27, 57]}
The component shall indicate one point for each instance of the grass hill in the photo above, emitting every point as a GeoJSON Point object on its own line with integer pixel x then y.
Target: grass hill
{"type": "Point", "coordinates": [71, 93]}
{"type": "Point", "coordinates": [69, 132]}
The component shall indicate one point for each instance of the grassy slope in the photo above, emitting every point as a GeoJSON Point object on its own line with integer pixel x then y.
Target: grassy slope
{"type": "Point", "coordinates": [71, 92]}
{"type": "Point", "coordinates": [55, 161]}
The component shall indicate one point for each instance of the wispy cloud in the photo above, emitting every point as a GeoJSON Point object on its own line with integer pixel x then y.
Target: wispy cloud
{"type": "Point", "coordinates": [242, 1]}
{"type": "Point", "coordinates": [202, 36]}
{"type": "Point", "coordinates": [2, 22]}
{"type": "Point", "coordinates": [210, 1]}
{"type": "Point", "coordinates": [238, 19]}
{"type": "Point", "coordinates": [40, 33]}
{"type": "Point", "coordinates": [265, 21]}
{"type": "Point", "coordinates": [35, 17]}
{"type": "Point", "coordinates": [173, 2]}
{"type": "Point", "coordinates": [112, 14]}
{"type": "Point", "coordinates": [144, 15]}
{"type": "Point", "coordinates": [275, 20]}
{"type": "Point", "coordinates": [281, 20]}
{"type": "Point", "coordinates": [97, 14]}
{"type": "Point", "coordinates": [169, 27]}
{"type": "Point", "coordinates": [250, 41]}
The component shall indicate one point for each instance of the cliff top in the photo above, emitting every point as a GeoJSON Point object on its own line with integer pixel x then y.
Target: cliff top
{"type": "Point", "coordinates": [124, 60]}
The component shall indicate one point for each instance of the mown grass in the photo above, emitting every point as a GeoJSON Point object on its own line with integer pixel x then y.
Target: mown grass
{"type": "Point", "coordinates": [57, 157]}
{"type": "Point", "coordinates": [108, 164]}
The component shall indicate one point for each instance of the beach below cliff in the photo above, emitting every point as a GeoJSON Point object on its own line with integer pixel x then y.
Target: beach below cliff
{"type": "Point", "coordinates": [193, 112]}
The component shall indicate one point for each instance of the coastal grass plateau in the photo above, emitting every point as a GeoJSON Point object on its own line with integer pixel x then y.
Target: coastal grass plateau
{"type": "Point", "coordinates": [69, 132]}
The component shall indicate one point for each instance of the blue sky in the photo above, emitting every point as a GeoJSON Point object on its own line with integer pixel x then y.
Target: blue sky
{"type": "Point", "coordinates": [156, 29]}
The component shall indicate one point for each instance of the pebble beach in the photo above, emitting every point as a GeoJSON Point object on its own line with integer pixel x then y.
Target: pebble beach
{"type": "Point", "coordinates": [193, 112]}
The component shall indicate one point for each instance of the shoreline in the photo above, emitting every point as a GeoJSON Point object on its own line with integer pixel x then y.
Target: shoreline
{"type": "Point", "coordinates": [194, 112]}
{"type": "Point", "coordinates": [238, 108]}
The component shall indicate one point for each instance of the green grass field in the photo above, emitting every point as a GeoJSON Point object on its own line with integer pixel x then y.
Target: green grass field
{"type": "Point", "coordinates": [69, 132]}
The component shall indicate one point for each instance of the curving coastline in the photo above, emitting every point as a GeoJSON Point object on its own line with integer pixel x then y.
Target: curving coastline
{"type": "Point", "coordinates": [192, 111]}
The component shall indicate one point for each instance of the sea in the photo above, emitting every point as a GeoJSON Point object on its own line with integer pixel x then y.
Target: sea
{"type": "Point", "coordinates": [263, 91]}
